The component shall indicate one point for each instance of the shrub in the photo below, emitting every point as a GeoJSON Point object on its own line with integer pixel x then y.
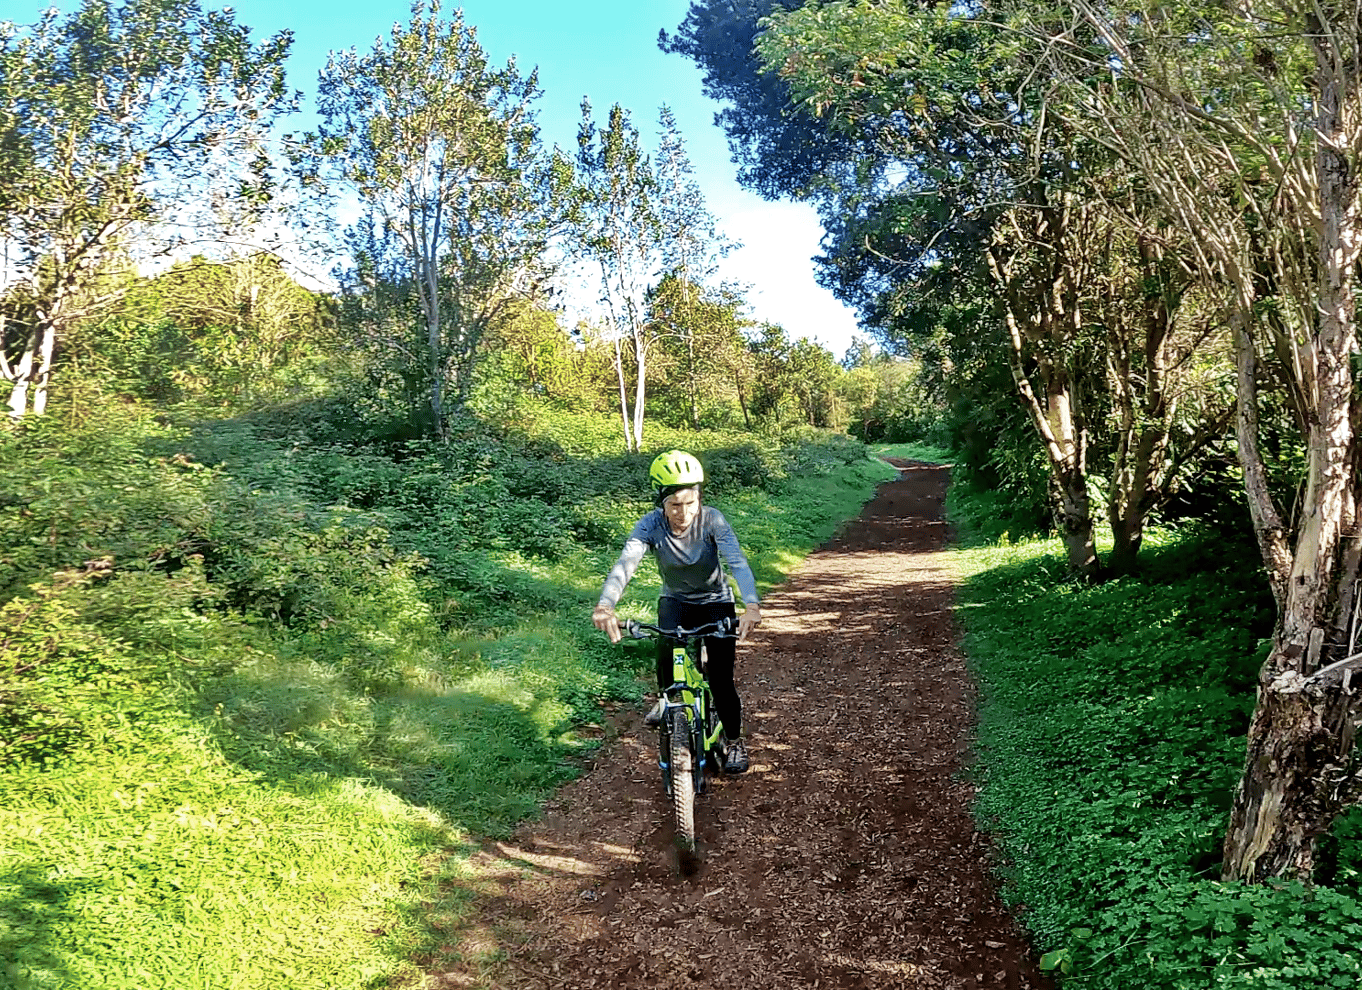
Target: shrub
{"type": "Point", "coordinates": [1110, 738]}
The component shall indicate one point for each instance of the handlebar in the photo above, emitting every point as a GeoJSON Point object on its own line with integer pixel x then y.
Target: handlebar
{"type": "Point", "coordinates": [724, 628]}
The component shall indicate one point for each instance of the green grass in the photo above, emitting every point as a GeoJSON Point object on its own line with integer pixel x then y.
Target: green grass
{"type": "Point", "coordinates": [271, 728]}
{"type": "Point", "coordinates": [1110, 737]}
{"type": "Point", "coordinates": [172, 867]}
{"type": "Point", "coordinates": [913, 452]}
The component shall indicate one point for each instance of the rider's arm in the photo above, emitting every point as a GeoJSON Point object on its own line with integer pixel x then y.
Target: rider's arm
{"type": "Point", "coordinates": [731, 552]}
{"type": "Point", "coordinates": [603, 616]}
{"type": "Point", "coordinates": [623, 572]}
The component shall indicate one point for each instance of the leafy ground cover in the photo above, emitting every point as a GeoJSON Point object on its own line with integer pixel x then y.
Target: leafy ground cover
{"type": "Point", "coordinates": [264, 686]}
{"type": "Point", "coordinates": [1111, 735]}
{"type": "Point", "coordinates": [930, 453]}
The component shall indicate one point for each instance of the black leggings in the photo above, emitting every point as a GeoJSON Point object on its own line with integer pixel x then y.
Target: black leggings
{"type": "Point", "coordinates": [721, 652]}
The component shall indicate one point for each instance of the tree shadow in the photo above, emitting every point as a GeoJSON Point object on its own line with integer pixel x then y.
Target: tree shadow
{"type": "Point", "coordinates": [33, 911]}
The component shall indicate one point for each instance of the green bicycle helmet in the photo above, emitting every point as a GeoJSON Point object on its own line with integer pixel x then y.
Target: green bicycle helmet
{"type": "Point", "coordinates": [676, 469]}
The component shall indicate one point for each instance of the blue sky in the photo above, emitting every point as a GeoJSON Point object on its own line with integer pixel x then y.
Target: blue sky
{"type": "Point", "coordinates": [606, 50]}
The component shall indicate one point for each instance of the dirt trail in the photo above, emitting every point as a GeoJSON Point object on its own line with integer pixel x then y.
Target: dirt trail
{"type": "Point", "coordinates": [846, 857]}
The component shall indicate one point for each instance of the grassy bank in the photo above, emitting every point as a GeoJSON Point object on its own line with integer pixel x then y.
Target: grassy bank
{"type": "Point", "coordinates": [1111, 735]}
{"type": "Point", "coordinates": [265, 688]}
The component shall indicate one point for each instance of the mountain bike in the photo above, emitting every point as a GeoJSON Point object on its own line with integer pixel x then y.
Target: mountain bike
{"type": "Point", "coordinates": [690, 737]}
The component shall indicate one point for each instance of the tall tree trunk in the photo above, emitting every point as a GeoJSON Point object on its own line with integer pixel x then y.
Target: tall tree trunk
{"type": "Point", "coordinates": [1076, 525]}
{"type": "Point", "coordinates": [640, 385]}
{"type": "Point", "coordinates": [40, 380]}
{"type": "Point", "coordinates": [742, 399]}
{"type": "Point", "coordinates": [33, 373]}
{"type": "Point", "coordinates": [1127, 536]}
{"type": "Point", "coordinates": [1302, 769]}
{"type": "Point", "coordinates": [1135, 492]}
{"type": "Point", "coordinates": [437, 411]}
{"type": "Point", "coordinates": [1141, 474]}
{"type": "Point", "coordinates": [624, 399]}
{"type": "Point", "coordinates": [1066, 450]}
{"type": "Point", "coordinates": [21, 375]}
{"type": "Point", "coordinates": [690, 380]}
{"type": "Point", "coordinates": [1042, 318]}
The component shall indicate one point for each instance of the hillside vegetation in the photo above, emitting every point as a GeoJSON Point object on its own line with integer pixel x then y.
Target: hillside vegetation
{"type": "Point", "coordinates": [264, 689]}
{"type": "Point", "coordinates": [294, 580]}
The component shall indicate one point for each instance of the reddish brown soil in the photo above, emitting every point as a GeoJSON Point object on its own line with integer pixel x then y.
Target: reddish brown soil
{"type": "Point", "coordinates": [846, 857]}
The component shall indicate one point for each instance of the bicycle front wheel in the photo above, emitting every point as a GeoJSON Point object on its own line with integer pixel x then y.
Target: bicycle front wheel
{"type": "Point", "coordinates": [683, 766]}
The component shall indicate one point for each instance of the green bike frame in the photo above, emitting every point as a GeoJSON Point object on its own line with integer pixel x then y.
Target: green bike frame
{"type": "Point", "coordinates": [686, 672]}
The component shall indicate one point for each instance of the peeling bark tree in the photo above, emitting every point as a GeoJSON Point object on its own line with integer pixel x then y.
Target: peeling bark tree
{"type": "Point", "coordinates": [1302, 767]}
{"type": "Point", "coordinates": [1036, 263]}
{"type": "Point", "coordinates": [1269, 197]}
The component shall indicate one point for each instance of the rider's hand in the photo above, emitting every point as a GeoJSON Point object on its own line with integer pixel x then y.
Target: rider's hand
{"type": "Point", "coordinates": [603, 618]}
{"type": "Point", "coordinates": [749, 620]}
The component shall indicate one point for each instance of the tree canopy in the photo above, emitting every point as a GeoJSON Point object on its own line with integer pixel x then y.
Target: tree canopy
{"type": "Point", "coordinates": [117, 124]}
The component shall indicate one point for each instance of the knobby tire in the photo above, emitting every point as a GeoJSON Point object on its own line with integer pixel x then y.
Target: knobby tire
{"type": "Point", "coordinates": [683, 766]}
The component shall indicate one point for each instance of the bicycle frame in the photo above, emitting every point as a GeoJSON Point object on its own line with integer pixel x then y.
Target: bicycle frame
{"type": "Point", "coordinates": [689, 689]}
{"type": "Point", "coordinates": [689, 731]}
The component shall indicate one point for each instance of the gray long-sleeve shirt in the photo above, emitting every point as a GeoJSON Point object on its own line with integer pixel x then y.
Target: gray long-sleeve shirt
{"type": "Point", "coordinates": [691, 564]}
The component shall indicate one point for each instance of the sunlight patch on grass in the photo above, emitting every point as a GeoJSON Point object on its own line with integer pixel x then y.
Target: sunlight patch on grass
{"type": "Point", "coordinates": [913, 452]}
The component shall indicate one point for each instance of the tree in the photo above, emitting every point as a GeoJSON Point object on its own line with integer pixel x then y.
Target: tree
{"type": "Point", "coordinates": [970, 171]}
{"type": "Point", "coordinates": [771, 387]}
{"type": "Point", "coordinates": [443, 152]}
{"type": "Point", "coordinates": [621, 230]}
{"type": "Point", "coordinates": [112, 120]}
{"type": "Point", "coordinates": [202, 327]}
{"type": "Point", "coordinates": [698, 330]}
{"type": "Point", "coordinates": [691, 247]}
{"type": "Point", "coordinates": [1247, 123]}
{"type": "Point", "coordinates": [778, 153]}
{"type": "Point", "coordinates": [816, 377]}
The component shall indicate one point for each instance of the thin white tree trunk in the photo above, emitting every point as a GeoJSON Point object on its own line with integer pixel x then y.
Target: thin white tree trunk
{"type": "Point", "coordinates": [45, 349]}
{"type": "Point", "coordinates": [624, 397]}
{"type": "Point", "coordinates": [640, 385]}
{"type": "Point", "coordinates": [22, 376]}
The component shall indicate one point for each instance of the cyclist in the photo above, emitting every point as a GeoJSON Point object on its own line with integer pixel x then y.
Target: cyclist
{"type": "Point", "coordinates": [691, 542]}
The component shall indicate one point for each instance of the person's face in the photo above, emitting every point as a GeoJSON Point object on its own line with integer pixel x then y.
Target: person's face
{"type": "Point", "coordinates": [681, 508]}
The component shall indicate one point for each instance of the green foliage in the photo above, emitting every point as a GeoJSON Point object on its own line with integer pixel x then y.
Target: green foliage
{"type": "Point", "coordinates": [261, 683]}
{"type": "Point", "coordinates": [44, 653]}
{"type": "Point", "coordinates": [112, 118]}
{"type": "Point", "coordinates": [530, 359]}
{"type": "Point", "coordinates": [914, 452]}
{"type": "Point", "coordinates": [888, 400]}
{"type": "Point", "coordinates": [1111, 736]}
{"type": "Point", "coordinates": [232, 331]}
